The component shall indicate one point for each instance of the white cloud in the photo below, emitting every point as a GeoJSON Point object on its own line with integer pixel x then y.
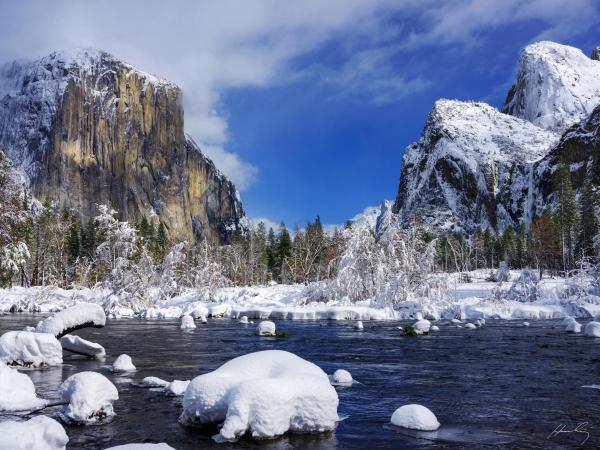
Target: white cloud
{"type": "Point", "coordinates": [267, 222]}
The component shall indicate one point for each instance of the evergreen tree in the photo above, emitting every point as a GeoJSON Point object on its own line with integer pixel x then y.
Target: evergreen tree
{"type": "Point", "coordinates": [74, 241]}
{"type": "Point", "coordinates": [160, 243]}
{"type": "Point", "coordinates": [589, 220]}
{"type": "Point", "coordinates": [566, 215]}
{"type": "Point", "coordinates": [284, 249]}
{"type": "Point", "coordinates": [89, 239]}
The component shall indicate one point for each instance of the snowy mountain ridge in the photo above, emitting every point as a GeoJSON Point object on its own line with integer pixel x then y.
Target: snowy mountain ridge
{"type": "Point", "coordinates": [475, 167]}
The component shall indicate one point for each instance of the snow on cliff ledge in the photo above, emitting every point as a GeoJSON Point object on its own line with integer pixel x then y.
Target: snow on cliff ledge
{"type": "Point", "coordinates": [556, 86]}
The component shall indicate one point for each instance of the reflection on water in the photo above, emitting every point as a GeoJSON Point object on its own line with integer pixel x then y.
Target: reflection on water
{"type": "Point", "coordinates": [501, 386]}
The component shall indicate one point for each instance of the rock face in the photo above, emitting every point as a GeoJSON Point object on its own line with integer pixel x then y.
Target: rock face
{"type": "Point", "coordinates": [86, 128]}
{"type": "Point", "coordinates": [475, 167]}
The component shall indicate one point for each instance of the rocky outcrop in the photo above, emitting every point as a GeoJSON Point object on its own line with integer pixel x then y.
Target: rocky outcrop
{"type": "Point", "coordinates": [86, 128]}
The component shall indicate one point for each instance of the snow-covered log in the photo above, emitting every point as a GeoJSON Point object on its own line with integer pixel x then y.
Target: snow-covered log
{"type": "Point", "coordinates": [266, 393]}
{"type": "Point", "coordinates": [17, 392]}
{"type": "Point", "coordinates": [90, 398]}
{"type": "Point", "coordinates": [29, 349]}
{"type": "Point", "coordinates": [39, 433]}
{"type": "Point", "coordinates": [73, 318]}
{"type": "Point", "coordinates": [80, 346]}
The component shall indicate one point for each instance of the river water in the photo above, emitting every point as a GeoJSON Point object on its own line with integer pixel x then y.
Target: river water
{"type": "Point", "coordinates": [500, 386]}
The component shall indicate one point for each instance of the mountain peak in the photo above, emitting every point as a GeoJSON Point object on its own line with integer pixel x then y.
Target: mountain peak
{"type": "Point", "coordinates": [557, 86]}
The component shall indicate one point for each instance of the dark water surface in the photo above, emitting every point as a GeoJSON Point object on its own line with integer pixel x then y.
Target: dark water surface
{"type": "Point", "coordinates": [500, 386]}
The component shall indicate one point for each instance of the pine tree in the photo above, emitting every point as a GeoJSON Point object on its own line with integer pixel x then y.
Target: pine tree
{"type": "Point", "coordinates": [89, 239]}
{"type": "Point", "coordinates": [74, 241]}
{"type": "Point", "coordinates": [160, 243]}
{"type": "Point", "coordinates": [589, 221]}
{"type": "Point", "coordinates": [566, 215]}
{"type": "Point", "coordinates": [284, 249]}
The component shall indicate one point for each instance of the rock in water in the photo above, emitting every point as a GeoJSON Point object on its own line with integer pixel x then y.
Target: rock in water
{"type": "Point", "coordinates": [24, 348]}
{"type": "Point", "coordinates": [266, 328]}
{"type": "Point", "coordinates": [415, 417]}
{"type": "Point", "coordinates": [341, 376]}
{"type": "Point", "coordinates": [105, 132]}
{"type": "Point", "coordinates": [90, 398]}
{"type": "Point", "coordinates": [187, 323]}
{"type": "Point", "coordinates": [421, 326]}
{"type": "Point", "coordinates": [359, 325]}
{"type": "Point", "coordinates": [39, 433]}
{"type": "Point", "coordinates": [592, 329]}
{"type": "Point", "coordinates": [123, 364]}
{"type": "Point", "coordinates": [17, 392]}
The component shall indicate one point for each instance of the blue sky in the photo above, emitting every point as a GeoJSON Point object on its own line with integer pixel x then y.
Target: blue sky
{"type": "Point", "coordinates": [308, 105]}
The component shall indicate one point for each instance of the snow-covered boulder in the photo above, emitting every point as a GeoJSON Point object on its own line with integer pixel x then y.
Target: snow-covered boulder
{"type": "Point", "coordinates": [24, 348]}
{"type": "Point", "coordinates": [267, 393]}
{"type": "Point", "coordinates": [341, 376]}
{"type": "Point", "coordinates": [470, 326]}
{"type": "Point", "coordinates": [421, 326]}
{"type": "Point", "coordinates": [161, 446]}
{"type": "Point", "coordinates": [154, 382]}
{"type": "Point", "coordinates": [525, 324]}
{"type": "Point", "coordinates": [203, 319]}
{"type": "Point", "coordinates": [187, 323]}
{"type": "Point", "coordinates": [17, 392]}
{"type": "Point", "coordinates": [82, 315]}
{"type": "Point", "coordinates": [434, 328]}
{"type": "Point", "coordinates": [90, 398]}
{"type": "Point", "coordinates": [75, 344]}
{"type": "Point", "coordinates": [199, 312]}
{"type": "Point", "coordinates": [123, 364]}
{"type": "Point", "coordinates": [415, 417]}
{"type": "Point", "coordinates": [266, 328]}
{"type": "Point", "coordinates": [592, 329]}
{"type": "Point", "coordinates": [573, 327]}
{"type": "Point", "coordinates": [39, 433]}
{"type": "Point", "coordinates": [176, 388]}
{"type": "Point", "coordinates": [359, 325]}
{"type": "Point", "coordinates": [244, 319]}
{"type": "Point", "coordinates": [456, 321]}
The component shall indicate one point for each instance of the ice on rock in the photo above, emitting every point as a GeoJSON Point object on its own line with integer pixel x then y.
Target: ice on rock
{"type": "Point", "coordinates": [415, 417]}
{"type": "Point", "coordinates": [244, 319]}
{"type": "Point", "coordinates": [176, 388]}
{"type": "Point", "coordinates": [266, 328]}
{"type": "Point", "coordinates": [25, 348]}
{"type": "Point", "coordinates": [592, 329]}
{"type": "Point", "coordinates": [421, 326]}
{"type": "Point", "coordinates": [573, 327]}
{"type": "Point", "coordinates": [17, 392]}
{"type": "Point", "coordinates": [78, 345]}
{"type": "Point", "coordinates": [73, 318]}
{"type": "Point", "coordinates": [470, 326]}
{"type": "Point", "coordinates": [123, 364]}
{"type": "Point", "coordinates": [359, 325]}
{"type": "Point", "coordinates": [161, 446]}
{"type": "Point", "coordinates": [434, 328]}
{"type": "Point", "coordinates": [187, 323]}
{"type": "Point", "coordinates": [90, 398]}
{"type": "Point", "coordinates": [154, 382]}
{"type": "Point", "coordinates": [341, 376]}
{"type": "Point", "coordinates": [266, 393]}
{"type": "Point", "coordinates": [39, 433]}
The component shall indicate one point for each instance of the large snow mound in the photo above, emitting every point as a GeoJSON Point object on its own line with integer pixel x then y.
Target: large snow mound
{"type": "Point", "coordinates": [415, 417]}
{"type": "Point", "coordinates": [39, 433]}
{"type": "Point", "coordinates": [556, 86]}
{"type": "Point", "coordinates": [266, 393]}
{"type": "Point", "coordinates": [90, 396]}
{"type": "Point", "coordinates": [75, 317]}
{"type": "Point", "coordinates": [76, 344]}
{"type": "Point", "coordinates": [17, 392]}
{"type": "Point", "coordinates": [26, 348]}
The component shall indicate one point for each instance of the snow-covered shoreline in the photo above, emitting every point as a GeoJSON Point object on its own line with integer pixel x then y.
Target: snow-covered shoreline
{"type": "Point", "coordinates": [465, 301]}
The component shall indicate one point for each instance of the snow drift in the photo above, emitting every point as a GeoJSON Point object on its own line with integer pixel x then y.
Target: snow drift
{"type": "Point", "coordinates": [265, 393]}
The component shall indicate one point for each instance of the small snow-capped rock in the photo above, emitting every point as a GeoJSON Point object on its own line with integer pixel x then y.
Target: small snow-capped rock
{"type": "Point", "coordinates": [154, 382]}
{"type": "Point", "coordinates": [203, 319]}
{"type": "Point", "coordinates": [266, 328]}
{"type": "Point", "coordinates": [415, 417]}
{"type": "Point", "coordinates": [73, 318]}
{"type": "Point", "coordinates": [341, 376]}
{"type": "Point", "coordinates": [187, 323]}
{"type": "Point", "coordinates": [573, 327]}
{"type": "Point", "coordinates": [123, 364]}
{"type": "Point", "coordinates": [456, 321]}
{"type": "Point", "coordinates": [434, 328]}
{"type": "Point", "coordinates": [525, 324]}
{"type": "Point", "coordinates": [592, 329]}
{"type": "Point", "coordinates": [244, 319]}
{"type": "Point", "coordinates": [470, 326]}
{"type": "Point", "coordinates": [17, 392]}
{"type": "Point", "coordinates": [38, 433]}
{"type": "Point", "coordinates": [76, 344]}
{"type": "Point", "coordinates": [176, 388]}
{"type": "Point", "coordinates": [25, 348]}
{"type": "Point", "coordinates": [90, 397]}
{"type": "Point", "coordinates": [359, 325]}
{"type": "Point", "coordinates": [421, 326]}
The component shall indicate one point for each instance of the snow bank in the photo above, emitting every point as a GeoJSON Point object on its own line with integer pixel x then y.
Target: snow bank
{"type": "Point", "coordinates": [415, 417]}
{"type": "Point", "coordinates": [25, 348]}
{"type": "Point", "coordinates": [73, 318]}
{"type": "Point", "coordinates": [266, 393]}
{"type": "Point", "coordinates": [17, 392]}
{"type": "Point", "coordinates": [341, 376]}
{"type": "Point", "coordinates": [39, 433]}
{"type": "Point", "coordinates": [187, 323]}
{"type": "Point", "coordinates": [176, 388]}
{"type": "Point", "coordinates": [161, 446]}
{"type": "Point", "coordinates": [266, 328]}
{"type": "Point", "coordinates": [90, 396]}
{"type": "Point", "coordinates": [78, 345]}
{"type": "Point", "coordinates": [592, 329]}
{"type": "Point", "coordinates": [123, 364]}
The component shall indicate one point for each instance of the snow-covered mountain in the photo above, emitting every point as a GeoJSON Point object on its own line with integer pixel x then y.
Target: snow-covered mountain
{"type": "Point", "coordinates": [556, 86]}
{"type": "Point", "coordinates": [87, 128]}
{"type": "Point", "coordinates": [475, 167]}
